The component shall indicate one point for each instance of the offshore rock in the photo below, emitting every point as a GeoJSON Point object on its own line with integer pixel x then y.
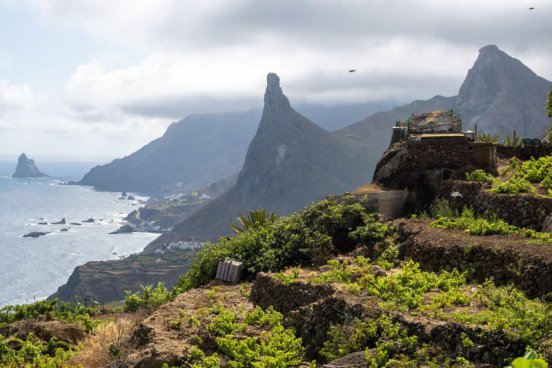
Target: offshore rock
{"type": "Point", "coordinates": [26, 168]}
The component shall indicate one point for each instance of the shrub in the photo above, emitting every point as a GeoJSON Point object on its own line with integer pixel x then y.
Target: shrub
{"type": "Point", "coordinates": [441, 208]}
{"type": "Point", "coordinates": [480, 176]}
{"type": "Point", "coordinates": [514, 185]}
{"type": "Point", "coordinates": [148, 298]}
{"type": "Point", "coordinates": [370, 333]}
{"type": "Point", "coordinates": [54, 308]}
{"type": "Point", "coordinates": [304, 238]}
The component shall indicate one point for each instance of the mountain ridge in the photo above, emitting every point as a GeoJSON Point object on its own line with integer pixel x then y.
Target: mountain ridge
{"type": "Point", "coordinates": [290, 162]}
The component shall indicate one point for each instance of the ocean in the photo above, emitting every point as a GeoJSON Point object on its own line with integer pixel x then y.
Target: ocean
{"type": "Point", "coordinates": [33, 268]}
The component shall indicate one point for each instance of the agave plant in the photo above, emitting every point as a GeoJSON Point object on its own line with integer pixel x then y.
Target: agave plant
{"type": "Point", "coordinates": [512, 141]}
{"type": "Point", "coordinates": [253, 220]}
{"type": "Point", "coordinates": [487, 138]}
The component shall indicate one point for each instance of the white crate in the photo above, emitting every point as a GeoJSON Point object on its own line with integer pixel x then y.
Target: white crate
{"type": "Point", "coordinates": [229, 271]}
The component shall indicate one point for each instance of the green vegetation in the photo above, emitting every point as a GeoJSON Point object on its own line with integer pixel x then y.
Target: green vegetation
{"type": "Point", "coordinates": [48, 309]}
{"type": "Point", "coordinates": [530, 360]}
{"type": "Point", "coordinates": [257, 338]}
{"type": "Point", "coordinates": [446, 296]}
{"type": "Point", "coordinates": [389, 339]}
{"type": "Point", "coordinates": [441, 208]}
{"type": "Point", "coordinates": [33, 352]}
{"type": "Point", "coordinates": [514, 185]}
{"type": "Point", "coordinates": [487, 138]}
{"type": "Point", "coordinates": [522, 176]}
{"type": "Point", "coordinates": [254, 219]}
{"type": "Point", "coordinates": [514, 141]}
{"type": "Point", "coordinates": [482, 226]}
{"type": "Point", "coordinates": [480, 176]}
{"type": "Point", "coordinates": [251, 339]}
{"type": "Point", "coordinates": [305, 238]}
{"type": "Point", "coordinates": [148, 298]}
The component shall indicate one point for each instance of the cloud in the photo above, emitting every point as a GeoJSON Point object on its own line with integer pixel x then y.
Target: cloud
{"type": "Point", "coordinates": [220, 50]}
{"type": "Point", "coordinates": [14, 96]}
{"type": "Point", "coordinates": [213, 55]}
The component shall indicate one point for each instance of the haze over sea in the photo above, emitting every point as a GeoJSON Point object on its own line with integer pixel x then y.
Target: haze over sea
{"type": "Point", "coordinates": [33, 268]}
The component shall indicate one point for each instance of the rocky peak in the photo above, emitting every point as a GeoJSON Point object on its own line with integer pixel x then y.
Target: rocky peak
{"type": "Point", "coordinates": [274, 95]}
{"type": "Point", "coordinates": [497, 91]}
{"type": "Point", "coordinates": [26, 168]}
{"type": "Point", "coordinates": [290, 162]}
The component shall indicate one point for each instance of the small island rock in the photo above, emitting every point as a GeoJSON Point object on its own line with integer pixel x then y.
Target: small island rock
{"type": "Point", "coordinates": [26, 168]}
{"type": "Point", "coordinates": [34, 234]}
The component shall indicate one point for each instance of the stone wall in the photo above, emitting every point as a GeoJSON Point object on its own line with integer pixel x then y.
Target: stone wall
{"type": "Point", "coordinates": [524, 153]}
{"type": "Point", "coordinates": [312, 309]}
{"type": "Point", "coordinates": [527, 266]}
{"type": "Point", "coordinates": [519, 210]}
{"type": "Point", "coordinates": [484, 156]}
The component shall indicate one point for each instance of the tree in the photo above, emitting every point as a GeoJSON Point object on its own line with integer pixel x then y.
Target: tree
{"type": "Point", "coordinates": [253, 220]}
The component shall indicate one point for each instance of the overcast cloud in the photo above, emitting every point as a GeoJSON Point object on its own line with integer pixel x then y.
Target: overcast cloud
{"type": "Point", "coordinates": [157, 61]}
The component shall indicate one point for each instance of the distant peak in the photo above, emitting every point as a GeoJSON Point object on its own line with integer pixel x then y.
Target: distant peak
{"type": "Point", "coordinates": [272, 80]}
{"type": "Point", "coordinates": [23, 155]}
{"type": "Point", "coordinates": [492, 52]}
{"type": "Point", "coordinates": [489, 48]}
{"type": "Point", "coordinates": [274, 95]}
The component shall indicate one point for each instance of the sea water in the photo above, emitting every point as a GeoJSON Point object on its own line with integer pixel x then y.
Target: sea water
{"type": "Point", "coordinates": [33, 268]}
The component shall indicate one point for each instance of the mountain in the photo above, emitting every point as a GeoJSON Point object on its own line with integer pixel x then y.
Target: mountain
{"type": "Point", "coordinates": [499, 94]}
{"type": "Point", "coordinates": [290, 162]}
{"type": "Point", "coordinates": [26, 168]}
{"type": "Point", "coordinates": [374, 132]}
{"type": "Point", "coordinates": [192, 154]}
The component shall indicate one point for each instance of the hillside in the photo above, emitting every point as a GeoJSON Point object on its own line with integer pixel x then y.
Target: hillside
{"type": "Point", "coordinates": [193, 153]}
{"type": "Point", "coordinates": [289, 163]}
{"type": "Point", "coordinates": [332, 284]}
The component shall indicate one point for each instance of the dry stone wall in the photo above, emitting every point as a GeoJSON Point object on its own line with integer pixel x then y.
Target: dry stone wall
{"type": "Point", "coordinates": [519, 210]}
{"type": "Point", "coordinates": [524, 153]}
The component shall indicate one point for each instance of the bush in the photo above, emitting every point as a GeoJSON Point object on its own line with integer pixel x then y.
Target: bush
{"type": "Point", "coordinates": [441, 208]}
{"type": "Point", "coordinates": [75, 311]}
{"type": "Point", "coordinates": [308, 237]}
{"type": "Point", "coordinates": [480, 176]}
{"type": "Point", "coordinates": [514, 185]}
{"type": "Point", "coordinates": [537, 171]}
{"type": "Point", "coordinates": [148, 298]}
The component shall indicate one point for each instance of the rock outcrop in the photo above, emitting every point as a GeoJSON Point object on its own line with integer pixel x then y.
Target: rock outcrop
{"type": "Point", "coordinates": [501, 94]}
{"type": "Point", "coordinates": [26, 168]}
{"type": "Point", "coordinates": [107, 281]}
{"type": "Point", "coordinates": [290, 163]}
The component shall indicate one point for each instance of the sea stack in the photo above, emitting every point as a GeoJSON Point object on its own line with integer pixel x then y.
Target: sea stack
{"type": "Point", "coordinates": [26, 168]}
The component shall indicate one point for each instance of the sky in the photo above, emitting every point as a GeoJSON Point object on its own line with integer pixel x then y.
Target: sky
{"type": "Point", "coordinates": [101, 78]}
